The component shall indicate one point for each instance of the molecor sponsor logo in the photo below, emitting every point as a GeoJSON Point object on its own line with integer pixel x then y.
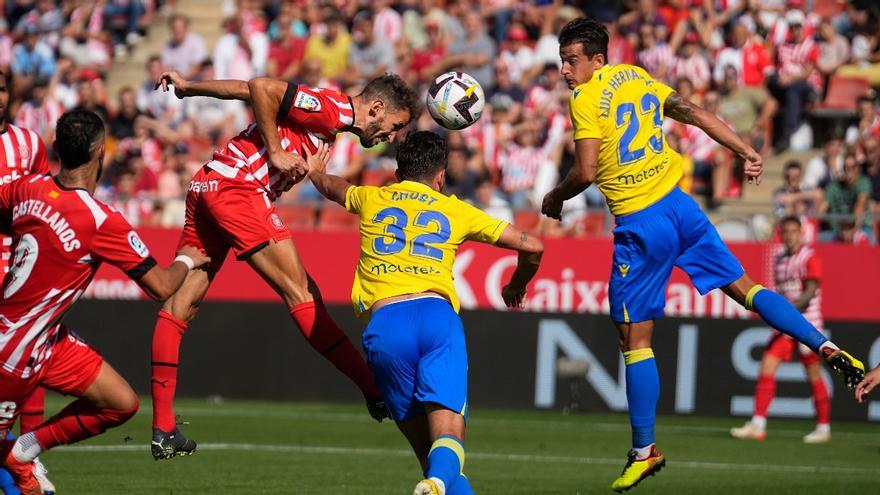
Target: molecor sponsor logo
{"type": "Point", "coordinates": [138, 245]}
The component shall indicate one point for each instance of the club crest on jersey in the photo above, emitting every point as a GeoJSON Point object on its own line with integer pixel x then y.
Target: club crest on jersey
{"type": "Point", "coordinates": [307, 102]}
{"type": "Point", "coordinates": [25, 154]}
{"type": "Point", "coordinates": [134, 240]}
{"type": "Point", "coordinates": [276, 221]}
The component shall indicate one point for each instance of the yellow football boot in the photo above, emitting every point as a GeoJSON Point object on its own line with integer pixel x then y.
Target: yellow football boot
{"type": "Point", "coordinates": [637, 470]}
{"type": "Point", "coordinates": [852, 369]}
{"type": "Point", "coordinates": [427, 487]}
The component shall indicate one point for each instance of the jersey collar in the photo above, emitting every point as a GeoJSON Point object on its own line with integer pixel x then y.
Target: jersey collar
{"type": "Point", "coordinates": [418, 185]}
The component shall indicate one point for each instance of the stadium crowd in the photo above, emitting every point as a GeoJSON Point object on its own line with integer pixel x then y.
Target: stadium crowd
{"type": "Point", "coordinates": [765, 66]}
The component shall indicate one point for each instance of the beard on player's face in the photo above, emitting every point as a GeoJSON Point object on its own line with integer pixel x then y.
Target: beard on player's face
{"type": "Point", "coordinates": [373, 133]}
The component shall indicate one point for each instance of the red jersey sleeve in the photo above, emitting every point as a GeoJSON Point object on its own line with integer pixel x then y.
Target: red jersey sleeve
{"type": "Point", "coordinates": [320, 111]}
{"type": "Point", "coordinates": [41, 161]}
{"type": "Point", "coordinates": [814, 268]}
{"type": "Point", "coordinates": [117, 243]}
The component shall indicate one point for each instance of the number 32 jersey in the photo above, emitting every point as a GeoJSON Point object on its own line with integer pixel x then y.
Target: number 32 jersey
{"type": "Point", "coordinates": [409, 236]}
{"type": "Point", "coordinates": [60, 238]}
{"type": "Point", "coordinates": [623, 107]}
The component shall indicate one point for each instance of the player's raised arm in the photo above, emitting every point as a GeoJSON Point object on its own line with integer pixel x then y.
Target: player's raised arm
{"type": "Point", "coordinates": [530, 249]}
{"type": "Point", "coordinates": [161, 283]}
{"type": "Point", "coordinates": [682, 110]}
{"type": "Point", "coordinates": [331, 187]}
{"type": "Point", "coordinates": [268, 96]}
{"type": "Point", "coordinates": [578, 179]}
{"type": "Point", "coordinates": [231, 89]}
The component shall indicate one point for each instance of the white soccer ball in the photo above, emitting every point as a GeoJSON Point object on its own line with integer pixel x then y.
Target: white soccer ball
{"type": "Point", "coordinates": [455, 100]}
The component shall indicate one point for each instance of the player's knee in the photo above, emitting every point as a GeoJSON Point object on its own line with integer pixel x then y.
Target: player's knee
{"type": "Point", "coordinates": [123, 410]}
{"type": "Point", "coordinates": [181, 308]}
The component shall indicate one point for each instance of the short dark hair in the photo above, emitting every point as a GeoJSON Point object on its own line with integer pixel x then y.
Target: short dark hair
{"type": "Point", "coordinates": [76, 136]}
{"type": "Point", "coordinates": [420, 156]}
{"type": "Point", "coordinates": [790, 219]}
{"type": "Point", "coordinates": [393, 90]}
{"type": "Point", "coordinates": [591, 34]}
{"type": "Point", "coordinates": [793, 164]}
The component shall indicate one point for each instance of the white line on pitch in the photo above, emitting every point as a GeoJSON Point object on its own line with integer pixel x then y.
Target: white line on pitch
{"type": "Point", "coordinates": [309, 449]}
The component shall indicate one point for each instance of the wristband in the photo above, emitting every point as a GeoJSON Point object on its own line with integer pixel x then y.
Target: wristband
{"type": "Point", "coordinates": [186, 260]}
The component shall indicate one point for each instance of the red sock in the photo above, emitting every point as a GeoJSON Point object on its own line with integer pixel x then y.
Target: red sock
{"type": "Point", "coordinates": [78, 421]}
{"type": "Point", "coordinates": [32, 411]}
{"type": "Point", "coordinates": [330, 341]}
{"type": "Point", "coordinates": [166, 350]}
{"type": "Point", "coordinates": [822, 402]}
{"type": "Point", "coordinates": [764, 392]}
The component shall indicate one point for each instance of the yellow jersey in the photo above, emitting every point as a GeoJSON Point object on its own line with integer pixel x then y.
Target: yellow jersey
{"type": "Point", "coordinates": [409, 236]}
{"type": "Point", "coordinates": [623, 106]}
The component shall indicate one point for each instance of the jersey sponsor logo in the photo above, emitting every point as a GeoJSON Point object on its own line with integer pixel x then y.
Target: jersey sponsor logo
{"type": "Point", "coordinates": [307, 102]}
{"type": "Point", "coordinates": [386, 268]}
{"type": "Point", "coordinates": [136, 243]}
{"type": "Point", "coordinates": [648, 174]}
{"type": "Point", "coordinates": [6, 179]}
{"type": "Point", "coordinates": [204, 186]}
{"type": "Point", "coordinates": [44, 212]}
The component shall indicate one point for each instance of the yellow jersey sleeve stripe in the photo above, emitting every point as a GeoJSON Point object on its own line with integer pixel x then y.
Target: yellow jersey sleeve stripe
{"type": "Point", "coordinates": [751, 295]}
{"type": "Point", "coordinates": [636, 355]}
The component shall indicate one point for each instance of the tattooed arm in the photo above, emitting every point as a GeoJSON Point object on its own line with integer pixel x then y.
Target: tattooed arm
{"type": "Point", "coordinates": [682, 110]}
{"type": "Point", "coordinates": [530, 251]}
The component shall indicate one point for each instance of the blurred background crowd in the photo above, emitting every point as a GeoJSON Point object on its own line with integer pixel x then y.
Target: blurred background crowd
{"type": "Point", "coordinates": [793, 77]}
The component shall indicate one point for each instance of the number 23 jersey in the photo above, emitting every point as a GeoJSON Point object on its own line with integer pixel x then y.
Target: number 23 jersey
{"type": "Point", "coordinates": [409, 236]}
{"type": "Point", "coordinates": [623, 106]}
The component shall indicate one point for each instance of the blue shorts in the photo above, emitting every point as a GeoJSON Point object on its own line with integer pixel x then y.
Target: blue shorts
{"type": "Point", "coordinates": [417, 352]}
{"type": "Point", "coordinates": [648, 243]}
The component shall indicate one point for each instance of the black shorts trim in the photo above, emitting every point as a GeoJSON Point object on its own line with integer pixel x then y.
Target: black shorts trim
{"type": "Point", "coordinates": [250, 252]}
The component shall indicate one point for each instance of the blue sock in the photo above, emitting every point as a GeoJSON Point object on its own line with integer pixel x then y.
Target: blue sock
{"type": "Point", "coordinates": [781, 315]}
{"type": "Point", "coordinates": [642, 393]}
{"type": "Point", "coordinates": [6, 483]}
{"type": "Point", "coordinates": [461, 486]}
{"type": "Point", "coordinates": [446, 460]}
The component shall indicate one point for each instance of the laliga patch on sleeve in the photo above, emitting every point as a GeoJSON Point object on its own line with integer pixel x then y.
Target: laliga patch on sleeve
{"type": "Point", "coordinates": [307, 102]}
{"type": "Point", "coordinates": [134, 240]}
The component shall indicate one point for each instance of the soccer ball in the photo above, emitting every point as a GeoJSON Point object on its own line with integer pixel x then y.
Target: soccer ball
{"type": "Point", "coordinates": [455, 100]}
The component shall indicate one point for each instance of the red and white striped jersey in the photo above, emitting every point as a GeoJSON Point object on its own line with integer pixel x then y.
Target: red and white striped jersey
{"type": "Point", "coordinates": [41, 119]}
{"type": "Point", "coordinates": [22, 152]}
{"type": "Point", "coordinates": [791, 59]}
{"type": "Point", "coordinates": [694, 68]}
{"type": "Point", "coordinates": [307, 117]}
{"type": "Point", "coordinates": [652, 59]}
{"type": "Point", "coordinates": [60, 238]}
{"type": "Point", "coordinates": [791, 271]}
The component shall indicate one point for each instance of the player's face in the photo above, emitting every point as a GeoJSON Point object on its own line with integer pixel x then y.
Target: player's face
{"type": "Point", "coordinates": [577, 67]}
{"type": "Point", "coordinates": [383, 125]}
{"type": "Point", "coordinates": [791, 236]}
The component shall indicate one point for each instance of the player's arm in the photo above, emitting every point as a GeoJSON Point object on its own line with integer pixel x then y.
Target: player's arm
{"type": "Point", "coordinates": [230, 89]}
{"type": "Point", "coordinates": [530, 249]}
{"type": "Point", "coordinates": [809, 291]}
{"type": "Point", "coordinates": [331, 187]}
{"type": "Point", "coordinates": [161, 283]}
{"type": "Point", "coordinates": [578, 179]}
{"type": "Point", "coordinates": [269, 97]}
{"type": "Point", "coordinates": [682, 110]}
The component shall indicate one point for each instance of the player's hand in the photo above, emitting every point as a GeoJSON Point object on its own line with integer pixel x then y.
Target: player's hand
{"type": "Point", "coordinates": [199, 258]}
{"type": "Point", "coordinates": [552, 205]}
{"type": "Point", "coordinates": [754, 166]}
{"type": "Point", "coordinates": [172, 78]}
{"type": "Point", "coordinates": [292, 165]}
{"type": "Point", "coordinates": [872, 378]}
{"type": "Point", "coordinates": [318, 162]}
{"type": "Point", "coordinates": [514, 297]}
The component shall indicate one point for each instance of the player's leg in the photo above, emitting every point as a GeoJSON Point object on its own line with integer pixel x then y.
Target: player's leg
{"type": "Point", "coordinates": [781, 315]}
{"type": "Point", "coordinates": [777, 351]}
{"type": "Point", "coordinates": [418, 433]}
{"type": "Point", "coordinates": [821, 399]}
{"type": "Point", "coordinates": [279, 264]}
{"type": "Point", "coordinates": [171, 324]}
{"type": "Point", "coordinates": [32, 412]}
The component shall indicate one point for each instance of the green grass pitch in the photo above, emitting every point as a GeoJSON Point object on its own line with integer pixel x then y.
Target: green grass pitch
{"type": "Point", "coordinates": [295, 448]}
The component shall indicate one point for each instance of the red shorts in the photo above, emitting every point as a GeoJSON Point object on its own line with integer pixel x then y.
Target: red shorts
{"type": "Point", "coordinates": [782, 346]}
{"type": "Point", "coordinates": [223, 213]}
{"type": "Point", "coordinates": [70, 370]}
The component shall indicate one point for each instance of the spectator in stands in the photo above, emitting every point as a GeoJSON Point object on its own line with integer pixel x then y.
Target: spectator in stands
{"type": "Point", "coordinates": [620, 48]}
{"type": "Point", "coordinates": [370, 56]}
{"type": "Point", "coordinates": [796, 80]}
{"type": "Point", "coordinates": [487, 199]}
{"type": "Point", "coordinates": [160, 105]}
{"type": "Point", "coordinates": [518, 57]}
{"type": "Point", "coordinates": [332, 46]}
{"type": "Point", "coordinates": [46, 17]}
{"type": "Point", "coordinates": [288, 47]}
{"type": "Point", "coordinates": [749, 110]}
{"type": "Point", "coordinates": [41, 111]}
{"type": "Point", "coordinates": [31, 59]}
{"type": "Point", "coordinates": [506, 94]}
{"type": "Point", "coordinates": [88, 100]}
{"type": "Point", "coordinates": [121, 18]}
{"type": "Point", "coordinates": [136, 209]}
{"type": "Point", "coordinates": [692, 64]}
{"type": "Point", "coordinates": [461, 179]}
{"type": "Point", "coordinates": [122, 123]}
{"type": "Point", "coordinates": [426, 62]}
{"type": "Point", "coordinates": [821, 169]}
{"type": "Point", "coordinates": [847, 196]}
{"type": "Point", "coordinates": [868, 124]}
{"type": "Point", "coordinates": [312, 76]}
{"type": "Point", "coordinates": [83, 38]}
{"type": "Point", "coordinates": [388, 24]}
{"type": "Point", "coordinates": [6, 43]}
{"type": "Point", "coordinates": [185, 50]}
{"type": "Point", "coordinates": [242, 52]}
{"type": "Point", "coordinates": [654, 54]}
{"type": "Point", "coordinates": [211, 118]}
{"type": "Point", "coordinates": [792, 198]}
{"type": "Point", "coordinates": [474, 53]}
{"type": "Point", "coordinates": [833, 49]}
{"type": "Point", "coordinates": [747, 55]}
{"type": "Point", "coordinates": [849, 234]}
